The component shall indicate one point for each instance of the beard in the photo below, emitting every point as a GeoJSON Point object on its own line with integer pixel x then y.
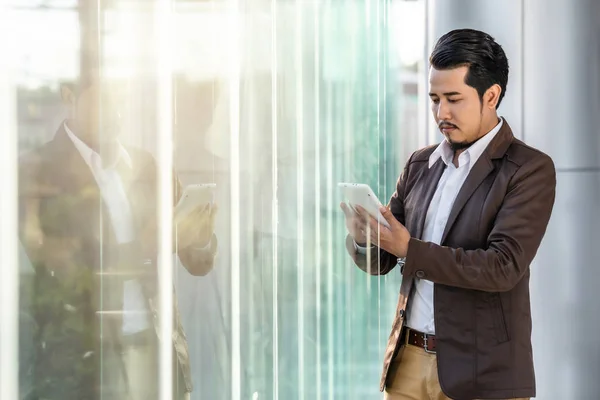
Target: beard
{"type": "Point", "coordinates": [457, 146]}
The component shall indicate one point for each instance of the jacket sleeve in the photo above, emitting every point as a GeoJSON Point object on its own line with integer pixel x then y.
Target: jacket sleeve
{"type": "Point", "coordinates": [376, 261]}
{"type": "Point", "coordinates": [511, 245]}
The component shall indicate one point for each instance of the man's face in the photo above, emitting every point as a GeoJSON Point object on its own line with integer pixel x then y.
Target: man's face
{"type": "Point", "coordinates": [456, 106]}
{"type": "Point", "coordinates": [96, 113]}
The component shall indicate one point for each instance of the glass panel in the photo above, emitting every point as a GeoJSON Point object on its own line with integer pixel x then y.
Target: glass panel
{"type": "Point", "coordinates": [275, 102]}
{"type": "Point", "coordinates": [96, 194]}
{"type": "Point", "coordinates": [325, 98]}
{"type": "Point", "coordinates": [9, 286]}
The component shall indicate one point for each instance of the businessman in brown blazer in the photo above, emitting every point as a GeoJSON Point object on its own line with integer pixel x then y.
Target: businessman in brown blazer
{"type": "Point", "coordinates": [467, 218]}
{"type": "Point", "coordinates": [88, 223]}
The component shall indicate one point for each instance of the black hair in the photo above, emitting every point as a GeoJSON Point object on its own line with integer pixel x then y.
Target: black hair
{"type": "Point", "coordinates": [477, 50]}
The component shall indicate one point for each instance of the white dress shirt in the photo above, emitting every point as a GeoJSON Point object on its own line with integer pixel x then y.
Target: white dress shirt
{"type": "Point", "coordinates": [115, 198]}
{"type": "Point", "coordinates": [420, 312]}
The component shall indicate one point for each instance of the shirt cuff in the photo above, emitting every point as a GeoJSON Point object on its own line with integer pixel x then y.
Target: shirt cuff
{"type": "Point", "coordinates": [361, 249]}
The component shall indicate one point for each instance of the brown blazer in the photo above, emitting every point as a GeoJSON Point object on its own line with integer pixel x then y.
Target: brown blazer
{"type": "Point", "coordinates": [481, 270]}
{"type": "Point", "coordinates": [77, 289]}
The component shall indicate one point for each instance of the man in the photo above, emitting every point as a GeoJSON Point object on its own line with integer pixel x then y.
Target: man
{"type": "Point", "coordinates": [467, 218]}
{"type": "Point", "coordinates": [88, 222]}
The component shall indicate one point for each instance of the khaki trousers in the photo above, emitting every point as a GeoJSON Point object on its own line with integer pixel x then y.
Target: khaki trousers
{"type": "Point", "coordinates": [413, 375]}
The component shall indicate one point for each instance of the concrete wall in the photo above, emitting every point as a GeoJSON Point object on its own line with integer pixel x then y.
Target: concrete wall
{"type": "Point", "coordinates": [553, 103]}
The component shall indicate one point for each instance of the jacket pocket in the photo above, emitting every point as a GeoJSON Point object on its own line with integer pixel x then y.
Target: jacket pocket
{"type": "Point", "coordinates": [497, 311]}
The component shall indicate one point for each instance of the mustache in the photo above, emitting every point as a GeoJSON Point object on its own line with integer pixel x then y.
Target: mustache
{"type": "Point", "coordinates": [444, 124]}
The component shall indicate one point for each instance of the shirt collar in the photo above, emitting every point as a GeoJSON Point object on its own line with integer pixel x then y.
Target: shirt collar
{"type": "Point", "coordinates": [92, 158]}
{"type": "Point", "coordinates": [472, 154]}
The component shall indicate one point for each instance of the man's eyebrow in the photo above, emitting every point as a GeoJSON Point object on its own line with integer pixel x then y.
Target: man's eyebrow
{"type": "Point", "coordinates": [447, 94]}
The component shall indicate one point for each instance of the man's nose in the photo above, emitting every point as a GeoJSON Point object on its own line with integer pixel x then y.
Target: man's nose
{"type": "Point", "coordinates": [443, 111]}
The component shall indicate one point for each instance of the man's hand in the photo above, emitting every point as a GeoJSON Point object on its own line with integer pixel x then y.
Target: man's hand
{"type": "Point", "coordinates": [394, 239]}
{"type": "Point", "coordinates": [356, 225]}
{"type": "Point", "coordinates": [197, 228]}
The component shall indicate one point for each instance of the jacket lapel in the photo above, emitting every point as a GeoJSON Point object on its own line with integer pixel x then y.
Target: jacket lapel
{"type": "Point", "coordinates": [77, 182]}
{"type": "Point", "coordinates": [67, 164]}
{"type": "Point", "coordinates": [482, 168]}
{"type": "Point", "coordinates": [432, 178]}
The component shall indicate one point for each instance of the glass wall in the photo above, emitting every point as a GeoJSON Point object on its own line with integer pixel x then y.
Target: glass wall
{"type": "Point", "coordinates": [275, 102]}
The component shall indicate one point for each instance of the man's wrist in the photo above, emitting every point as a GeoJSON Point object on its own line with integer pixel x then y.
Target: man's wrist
{"type": "Point", "coordinates": [402, 250]}
{"type": "Point", "coordinates": [406, 244]}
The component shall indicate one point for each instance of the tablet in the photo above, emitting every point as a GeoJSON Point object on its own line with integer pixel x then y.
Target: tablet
{"type": "Point", "coordinates": [361, 194]}
{"type": "Point", "coordinates": [193, 197]}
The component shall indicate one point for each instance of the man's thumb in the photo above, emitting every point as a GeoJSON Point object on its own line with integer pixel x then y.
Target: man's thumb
{"type": "Point", "coordinates": [387, 213]}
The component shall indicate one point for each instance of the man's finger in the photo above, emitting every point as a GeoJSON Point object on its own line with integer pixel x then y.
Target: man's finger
{"type": "Point", "coordinates": [362, 221]}
{"type": "Point", "coordinates": [375, 237]}
{"type": "Point", "coordinates": [387, 214]}
{"type": "Point", "coordinates": [346, 209]}
{"type": "Point", "coordinates": [363, 215]}
{"type": "Point", "coordinates": [374, 225]}
{"type": "Point", "coordinates": [359, 223]}
{"type": "Point", "coordinates": [198, 212]}
{"type": "Point", "coordinates": [359, 227]}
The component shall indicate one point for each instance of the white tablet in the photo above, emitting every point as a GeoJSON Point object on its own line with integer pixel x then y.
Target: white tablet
{"type": "Point", "coordinates": [193, 197]}
{"type": "Point", "coordinates": [361, 194]}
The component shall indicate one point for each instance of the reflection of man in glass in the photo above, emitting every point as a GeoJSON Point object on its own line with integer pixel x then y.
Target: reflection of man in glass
{"type": "Point", "coordinates": [88, 223]}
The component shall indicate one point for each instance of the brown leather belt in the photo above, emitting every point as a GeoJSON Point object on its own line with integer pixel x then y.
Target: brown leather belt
{"type": "Point", "coordinates": [419, 339]}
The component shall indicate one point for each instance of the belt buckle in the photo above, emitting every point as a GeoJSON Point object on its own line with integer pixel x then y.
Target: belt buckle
{"type": "Point", "coordinates": [426, 344]}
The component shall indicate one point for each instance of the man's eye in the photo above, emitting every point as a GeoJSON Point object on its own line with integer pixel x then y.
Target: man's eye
{"type": "Point", "coordinates": [435, 101]}
{"type": "Point", "coordinates": [453, 100]}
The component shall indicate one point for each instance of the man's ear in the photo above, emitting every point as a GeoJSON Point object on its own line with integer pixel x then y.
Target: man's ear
{"type": "Point", "coordinates": [67, 95]}
{"type": "Point", "coordinates": [492, 96]}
